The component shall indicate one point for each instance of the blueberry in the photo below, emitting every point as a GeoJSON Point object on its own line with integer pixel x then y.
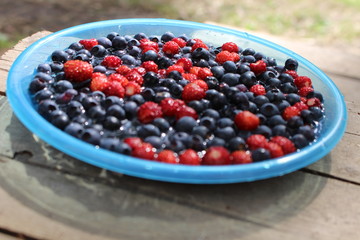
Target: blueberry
{"type": "Point", "coordinates": [130, 108]}
{"type": "Point", "coordinates": [47, 106]}
{"type": "Point", "coordinates": [62, 85]}
{"type": "Point", "coordinates": [76, 46]}
{"type": "Point", "coordinates": [161, 95]}
{"type": "Point", "coordinates": [163, 62]}
{"type": "Point", "coordinates": [150, 55]}
{"type": "Point", "coordinates": [44, 67]}
{"type": "Point", "coordinates": [275, 96]}
{"type": "Point", "coordinates": [225, 133]}
{"type": "Point", "coordinates": [122, 148]}
{"type": "Point", "coordinates": [112, 100]}
{"type": "Point", "coordinates": [269, 109]}
{"type": "Point", "coordinates": [208, 122]}
{"type": "Point", "coordinates": [225, 122]}
{"type": "Point", "coordinates": [66, 97]}
{"type": "Point", "coordinates": [286, 78]}
{"type": "Point", "coordinates": [262, 118]}
{"type": "Point", "coordinates": [275, 120]}
{"type": "Point", "coordinates": [185, 124]}
{"type": "Point", "coordinates": [271, 61]}
{"type": "Point", "coordinates": [202, 63]}
{"type": "Point", "coordinates": [219, 101]}
{"type": "Point", "coordinates": [134, 51]}
{"type": "Point", "coordinates": [59, 56]}
{"type": "Point", "coordinates": [56, 67]}
{"type": "Point", "coordinates": [317, 113]}
{"type": "Point", "coordinates": [248, 78]}
{"type": "Point", "coordinates": [36, 85]}
{"type": "Point", "coordinates": [308, 116]}
{"type": "Point", "coordinates": [236, 143]}
{"type": "Point", "coordinates": [197, 105]}
{"type": "Point", "coordinates": [112, 35]}
{"type": "Point", "coordinates": [280, 130]}
{"type": "Point", "coordinates": [59, 119]}
{"type": "Point", "coordinates": [216, 142]}
{"type": "Point", "coordinates": [260, 154]}
{"type": "Point", "coordinates": [295, 122]}
{"type": "Point", "coordinates": [248, 58]}
{"type": "Point", "coordinates": [300, 141]}
{"type": "Point", "coordinates": [98, 51]}
{"type": "Point", "coordinates": [74, 129]}
{"type": "Point", "coordinates": [260, 100]}
{"type": "Point", "coordinates": [252, 107]}
{"type": "Point", "coordinates": [109, 143]}
{"type": "Point", "coordinates": [140, 36]}
{"type": "Point", "coordinates": [241, 100]}
{"type": "Point", "coordinates": [265, 76]}
{"type": "Point", "coordinates": [111, 123]}
{"type": "Point", "coordinates": [132, 42]}
{"type": "Point", "coordinates": [291, 64]}
{"type": "Point", "coordinates": [91, 136]}
{"type": "Point", "coordinates": [137, 98]}
{"type": "Point", "coordinates": [288, 88]}
{"type": "Point", "coordinates": [150, 79]}
{"type": "Point", "coordinates": [242, 68]}
{"type": "Point", "coordinates": [147, 130]}
{"type": "Point", "coordinates": [307, 131]}
{"type": "Point", "coordinates": [43, 95]}
{"type": "Point", "coordinates": [97, 113]}
{"type": "Point", "coordinates": [74, 108]}
{"type": "Point", "coordinates": [230, 67]}
{"type": "Point", "coordinates": [82, 57]}
{"type": "Point", "coordinates": [259, 56]}
{"type": "Point", "coordinates": [211, 113]}
{"type": "Point", "coordinates": [200, 53]}
{"type": "Point", "coordinates": [168, 36]}
{"type": "Point", "coordinates": [201, 131]}
{"type": "Point", "coordinates": [273, 82]}
{"type": "Point", "coordinates": [263, 130]}
{"type": "Point", "coordinates": [100, 69]}
{"type": "Point", "coordinates": [176, 75]}
{"type": "Point", "coordinates": [162, 124]}
{"type": "Point", "coordinates": [212, 82]}
{"type": "Point", "coordinates": [292, 98]}
{"type": "Point", "coordinates": [218, 71]}
{"type": "Point", "coordinates": [248, 51]}
{"type": "Point", "coordinates": [128, 60]}
{"type": "Point", "coordinates": [44, 76]}
{"type": "Point", "coordinates": [196, 142]}
{"type": "Point", "coordinates": [316, 94]}
{"type": "Point", "coordinates": [232, 79]}
{"type": "Point", "coordinates": [282, 105]}
{"type": "Point", "coordinates": [148, 94]}
{"type": "Point", "coordinates": [155, 141]}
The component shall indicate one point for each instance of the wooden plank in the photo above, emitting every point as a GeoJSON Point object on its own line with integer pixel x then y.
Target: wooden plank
{"type": "Point", "coordinates": [295, 206]}
{"type": "Point", "coordinates": [7, 237]}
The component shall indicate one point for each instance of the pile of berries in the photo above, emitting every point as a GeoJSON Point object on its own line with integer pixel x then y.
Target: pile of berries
{"type": "Point", "coordinates": [178, 100]}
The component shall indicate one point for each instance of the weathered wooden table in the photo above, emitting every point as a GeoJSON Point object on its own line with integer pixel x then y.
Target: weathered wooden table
{"type": "Point", "coordinates": [45, 194]}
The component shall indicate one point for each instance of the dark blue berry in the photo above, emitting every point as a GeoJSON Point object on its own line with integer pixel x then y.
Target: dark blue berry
{"type": "Point", "coordinates": [232, 79]}
{"type": "Point", "coordinates": [76, 46]}
{"type": "Point", "coordinates": [111, 123]}
{"type": "Point", "coordinates": [307, 131]}
{"type": "Point", "coordinates": [248, 51]}
{"type": "Point", "coordinates": [91, 136]}
{"type": "Point", "coordinates": [317, 113]}
{"type": "Point", "coordinates": [46, 107]}
{"type": "Point", "coordinates": [59, 56]}
{"type": "Point", "coordinates": [74, 129]}
{"type": "Point", "coordinates": [162, 124]}
{"type": "Point", "coordinates": [260, 154]}
{"type": "Point", "coordinates": [185, 124]}
{"type": "Point", "coordinates": [295, 122]}
{"type": "Point", "coordinates": [147, 130]}
{"type": "Point", "coordinates": [248, 78]}
{"type": "Point", "coordinates": [128, 60]}
{"type": "Point", "coordinates": [225, 122]}
{"type": "Point", "coordinates": [211, 113]}
{"type": "Point", "coordinates": [168, 36]}
{"type": "Point", "coordinates": [275, 120]}
{"type": "Point", "coordinates": [300, 141]}
{"type": "Point", "coordinates": [225, 133]}
{"type": "Point", "coordinates": [291, 64]}
{"type": "Point", "coordinates": [43, 95]}
{"type": "Point", "coordinates": [98, 51]}
{"type": "Point", "coordinates": [74, 108]}
{"type": "Point", "coordinates": [130, 108]}
{"type": "Point", "coordinates": [280, 130]}
{"type": "Point", "coordinates": [216, 142]}
{"type": "Point", "coordinates": [264, 130]}
{"type": "Point", "coordinates": [260, 100]}
{"type": "Point", "coordinates": [269, 109]}
{"type": "Point", "coordinates": [59, 119]}
{"type": "Point", "coordinates": [236, 143]}
{"type": "Point", "coordinates": [242, 68]}
{"type": "Point", "coordinates": [292, 98]}
{"type": "Point", "coordinates": [201, 131]}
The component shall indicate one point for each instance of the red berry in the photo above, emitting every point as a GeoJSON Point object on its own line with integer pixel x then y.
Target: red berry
{"type": "Point", "coordinates": [292, 73]}
{"type": "Point", "coordinates": [258, 89]}
{"type": "Point", "coordinates": [77, 70]}
{"type": "Point", "coordinates": [150, 66]}
{"type": "Point", "coordinates": [144, 151]}
{"type": "Point", "coordinates": [118, 78]}
{"type": "Point", "coordinates": [146, 44]}
{"type": "Point", "coordinates": [181, 42]}
{"type": "Point", "coordinates": [175, 67]}
{"type": "Point", "coordinates": [123, 69]}
{"type": "Point", "coordinates": [114, 88]}
{"type": "Point", "coordinates": [190, 157]}
{"type": "Point", "coordinates": [171, 48]}
{"type": "Point", "coordinates": [186, 111]}
{"type": "Point", "coordinates": [133, 142]}
{"type": "Point", "coordinates": [241, 157]}
{"type": "Point", "coordinates": [304, 91]}
{"type": "Point", "coordinates": [204, 73]}
{"type": "Point", "coordinates": [275, 150]}
{"type": "Point", "coordinates": [99, 82]}
{"type": "Point", "coordinates": [134, 76]}
{"type": "Point", "coordinates": [313, 102]}
{"type": "Point", "coordinates": [256, 141]}
{"type": "Point", "coordinates": [170, 106]}
{"type": "Point", "coordinates": [224, 56]}
{"type": "Point", "coordinates": [89, 43]}
{"type": "Point", "coordinates": [235, 56]}
{"type": "Point", "coordinates": [230, 46]}
{"type": "Point", "coordinates": [290, 112]}
{"type": "Point", "coordinates": [189, 76]}
{"type": "Point", "coordinates": [216, 155]}
{"type": "Point", "coordinates": [186, 63]}
{"type": "Point", "coordinates": [198, 44]}
{"type": "Point", "coordinates": [301, 106]}
{"type": "Point", "coordinates": [302, 81]}
{"type": "Point", "coordinates": [140, 70]}
{"type": "Point", "coordinates": [111, 61]}
{"type": "Point", "coordinates": [192, 91]}
{"type": "Point", "coordinates": [167, 156]}
{"type": "Point", "coordinates": [202, 84]}
{"type": "Point", "coordinates": [195, 70]}
{"type": "Point", "coordinates": [258, 67]}
{"type": "Point", "coordinates": [148, 111]}
{"type": "Point", "coordinates": [286, 144]}
{"type": "Point", "coordinates": [132, 88]}
{"type": "Point", "coordinates": [246, 120]}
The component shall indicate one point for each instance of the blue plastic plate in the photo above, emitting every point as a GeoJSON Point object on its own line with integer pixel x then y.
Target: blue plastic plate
{"type": "Point", "coordinates": [23, 69]}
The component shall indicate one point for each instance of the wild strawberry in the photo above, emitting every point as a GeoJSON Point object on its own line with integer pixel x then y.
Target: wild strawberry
{"type": "Point", "coordinates": [304, 91]}
{"type": "Point", "coordinates": [186, 63]}
{"type": "Point", "coordinates": [167, 156]}
{"type": "Point", "coordinates": [186, 111]}
{"type": "Point", "coordinates": [198, 44]}
{"type": "Point", "coordinates": [181, 42]}
{"type": "Point", "coordinates": [301, 106]}
{"type": "Point", "coordinates": [246, 120]}
{"type": "Point", "coordinates": [162, 73]}
{"type": "Point", "coordinates": [274, 149]}
{"type": "Point", "coordinates": [286, 144]}
{"type": "Point", "coordinates": [134, 76]}
{"type": "Point", "coordinates": [258, 67]}
{"type": "Point", "coordinates": [77, 70]}
{"type": "Point", "coordinates": [204, 73]}
{"type": "Point", "coordinates": [111, 61]}
{"type": "Point", "coordinates": [230, 46]}
{"type": "Point", "coordinates": [192, 91]}
{"type": "Point", "coordinates": [150, 66]}
{"type": "Point", "coordinates": [256, 141]}
{"type": "Point", "coordinates": [290, 112]}
{"type": "Point", "coordinates": [313, 102]}
{"type": "Point", "coordinates": [170, 106]}
{"type": "Point", "coordinates": [123, 69]}
{"type": "Point", "coordinates": [189, 76]}
{"type": "Point", "coordinates": [292, 73]}
{"type": "Point", "coordinates": [202, 84]}
{"type": "Point", "coordinates": [302, 81]}
{"type": "Point", "coordinates": [132, 88]}
{"type": "Point", "coordinates": [171, 48]}
{"type": "Point", "coordinates": [147, 44]}
{"type": "Point", "coordinates": [133, 142]}
{"type": "Point", "coordinates": [241, 157]}
{"type": "Point", "coordinates": [175, 67]}
{"type": "Point", "coordinates": [118, 78]}
{"type": "Point", "coordinates": [189, 157]}
{"type": "Point", "coordinates": [224, 56]}
{"type": "Point", "coordinates": [144, 151]}
{"type": "Point", "coordinates": [195, 70]}
{"type": "Point", "coordinates": [148, 111]}
{"type": "Point", "coordinates": [235, 56]}
{"type": "Point", "coordinates": [139, 70]}
{"type": "Point", "coordinates": [216, 155]}
{"type": "Point", "coordinates": [258, 89]}
{"type": "Point", "coordinates": [99, 82]}
{"type": "Point", "coordinates": [89, 43]}
{"type": "Point", "coordinates": [114, 88]}
{"type": "Point", "coordinates": [149, 48]}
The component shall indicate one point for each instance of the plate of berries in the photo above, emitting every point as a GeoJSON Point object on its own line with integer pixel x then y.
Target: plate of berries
{"type": "Point", "coordinates": [176, 101]}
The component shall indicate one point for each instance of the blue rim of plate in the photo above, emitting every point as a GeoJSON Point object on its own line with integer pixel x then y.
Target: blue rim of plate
{"type": "Point", "coordinates": [24, 109]}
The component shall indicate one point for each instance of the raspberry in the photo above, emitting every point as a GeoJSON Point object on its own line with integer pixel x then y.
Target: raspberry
{"type": "Point", "coordinates": [167, 156]}
{"type": "Point", "coordinates": [241, 157]}
{"type": "Point", "coordinates": [292, 73]}
{"type": "Point", "coordinates": [118, 78]}
{"type": "Point", "coordinates": [275, 150]}
{"type": "Point", "coordinates": [144, 151]}
{"type": "Point", "coordinates": [286, 144]}
{"type": "Point", "coordinates": [313, 102]}
{"type": "Point", "coordinates": [204, 73]}
{"type": "Point", "coordinates": [256, 141]}
{"type": "Point", "coordinates": [192, 91]}
{"type": "Point", "coordinates": [111, 61]}
{"type": "Point", "coordinates": [189, 157]}
{"type": "Point", "coordinates": [89, 43]}
{"type": "Point", "coordinates": [304, 91]}
{"type": "Point", "coordinates": [199, 44]}
{"type": "Point", "coordinates": [139, 70]}
{"type": "Point", "coordinates": [150, 66]}
{"type": "Point", "coordinates": [77, 70]}
{"type": "Point", "coordinates": [99, 82]}
{"type": "Point", "coordinates": [302, 81]}
{"type": "Point", "coordinates": [171, 48]}
{"type": "Point", "coordinates": [186, 111]}
{"type": "Point", "coordinates": [258, 89]}
{"type": "Point", "coordinates": [148, 111]}
{"type": "Point", "coordinates": [246, 120]}
{"type": "Point", "coordinates": [235, 56]}
{"type": "Point", "coordinates": [114, 89]}
{"type": "Point", "coordinates": [195, 70]}
{"type": "Point", "coordinates": [186, 63]}
{"type": "Point", "coordinates": [301, 106]}
{"type": "Point", "coordinates": [202, 84]}
{"type": "Point", "coordinates": [290, 112]}
{"type": "Point", "coordinates": [123, 69]}
{"type": "Point", "coordinates": [224, 56]}
{"type": "Point", "coordinates": [148, 48]}
{"type": "Point", "coordinates": [134, 76]}
{"type": "Point", "coordinates": [216, 155]}
{"type": "Point", "coordinates": [189, 76]}
{"type": "Point", "coordinates": [181, 42]}
{"type": "Point", "coordinates": [149, 45]}
{"type": "Point", "coordinates": [230, 46]}
{"type": "Point", "coordinates": [170, 106]}
{"type": "Point", "coordinates": [133, 142]}
{"type": "Point", "coordinates": [258, 67]}
{"type": "Point", "coordinates": [175, 67]}
{"type": "Point", "coordinates": [132, 88]}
